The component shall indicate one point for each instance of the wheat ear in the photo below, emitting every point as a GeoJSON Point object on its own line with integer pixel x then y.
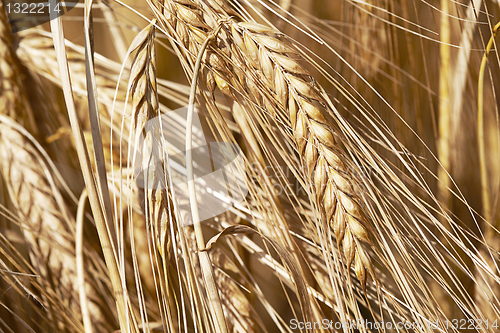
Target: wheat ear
{"type": "Point", "coordinates": [327, 166]}
{"type": "Point", "coordinates": [265, 64]}
{"type": "Point", "coordinates": [142, 88]}
{"type": "Point", "coordinates": [13, 102]}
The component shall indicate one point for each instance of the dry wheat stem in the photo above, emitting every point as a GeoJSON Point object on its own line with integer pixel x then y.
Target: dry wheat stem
{"type": "Point", "coordinates": [92, 98]}
{"type": "Point", "coordinates": [87, 321]}
{"type": "Point", "coordinates": [206, 265]}
{"type": "Point", "coordinates": [480, 130]}
{"type": "Point", "coordinates": [267, 66]}
{"type": "Point", "coordinates": [487, 288]}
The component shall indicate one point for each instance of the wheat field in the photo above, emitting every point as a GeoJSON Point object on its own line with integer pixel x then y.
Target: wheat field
{"type": "Point", "coordinates": [250, 166]}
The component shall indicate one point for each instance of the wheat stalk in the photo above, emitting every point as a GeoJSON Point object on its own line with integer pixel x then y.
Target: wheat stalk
{"type": "Point", "coordinates": [261, 60]}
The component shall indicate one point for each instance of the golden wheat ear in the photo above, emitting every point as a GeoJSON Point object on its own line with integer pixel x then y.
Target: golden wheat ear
{"type": "Point", "coordinates": [261, 59]}
{"type": "Point", "coordinates": [145, 107]}
{"type": "Point", "coordinates": [328, 168]}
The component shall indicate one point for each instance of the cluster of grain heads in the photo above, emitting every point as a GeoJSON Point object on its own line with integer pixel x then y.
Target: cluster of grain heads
{"type": "Point", "coordinates": [46, 224]}
{"type": "Point", "coordinates": [261, 62]}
